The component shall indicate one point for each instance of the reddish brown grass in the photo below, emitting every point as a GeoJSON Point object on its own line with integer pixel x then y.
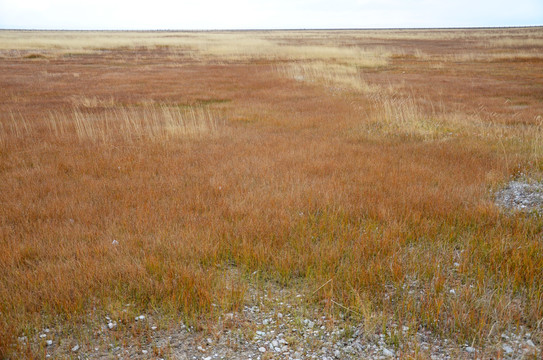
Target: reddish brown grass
{"type": "Point", "coordinates": [381, 190]}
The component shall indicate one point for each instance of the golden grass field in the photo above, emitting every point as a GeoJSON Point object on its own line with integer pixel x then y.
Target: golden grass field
{"type": "Point", "coordinates": [366, 157]}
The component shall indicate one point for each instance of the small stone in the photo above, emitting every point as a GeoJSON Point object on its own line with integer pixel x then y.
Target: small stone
{"type": "Point", "coordinates": [144, 351]}
{"type": "Point", "coordinates": [405, 328]}
{"type": "Point", "coordinates": [114, 242]}
{"type": "Point", "coordinates": [452, 291]}
{"type": "Point", "coordinates": [201, 349]}
{"type": "Point", "coordinates": [337, 353]}
{"type": "Point", "coordinates": [209, 341]}
{"type": "Point", "coordinates": [42, 336]}
{"type": "Point", "coordinates": [153, 327]}
{"type": "Point", "coordinates": [75, 348]}
{"type": "Point", "coordinates": [112, 325]}
{"type": "Point", "coordinates": [261, 333]}
{"type": "Point", "coordinates": [530, 343]}
{"type": "Point", "coordinates": [262, 349]}
{"type": "Point", "coordinates": [508, 349]}
{"type": "Point", "coordinates": [49, 342]}
{"type": "Point", "coordinates": [387, 352]}
{"type": "Point", "coordinates": [208, 358]}
{"type": "Point", "coordinates": [265, 322]}
{"type": "Point", "coordinates": [275, 343]}
{"type": "Point", "coordinates": [279, 315]}
{"type": "Point", "coordinates": [470, 349]}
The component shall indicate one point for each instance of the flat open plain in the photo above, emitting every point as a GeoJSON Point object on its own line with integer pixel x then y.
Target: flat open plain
{"type": "Point", "coordinates": [312, 194]}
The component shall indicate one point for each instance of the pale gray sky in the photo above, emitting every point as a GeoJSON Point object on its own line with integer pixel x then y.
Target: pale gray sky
{"type": "Point", "coordinates": [265, 14]}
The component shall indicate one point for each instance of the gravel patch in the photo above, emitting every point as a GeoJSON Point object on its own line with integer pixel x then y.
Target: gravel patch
{"type": "Point", "coordinates": [521, 195]}
{"type": "Point", "coordinates": [274, 323]}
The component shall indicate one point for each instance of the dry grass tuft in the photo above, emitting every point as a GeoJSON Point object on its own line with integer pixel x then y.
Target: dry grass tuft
{"type": "Point", "coordinates": [338, 76]}
{"type": "Point", "coordinates": [394, 116]}
{"type": "Point", "coordinates": [151, 122]}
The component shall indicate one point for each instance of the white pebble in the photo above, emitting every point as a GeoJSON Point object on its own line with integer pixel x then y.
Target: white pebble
{"type": "Point", "coordinates": [153, 327]}
{"type": "Point", "coordinates": [262, 349]}
{"type": "Point", "coordinates": [112, 325]}
{"type": "Point", "coordinates": [508, 349]}
{"type": "Point", "coordinates": [275, 343]}
{"type": "Point", "coordinates": [42, 336]}
{"type": "Point", "coordinates": [387, 352]}
{"type": "Point", "coordinates": [114, 242]}
{"type": "Point", "coordinates": [144, 351]}
{"type": "Point", "coordinates": [49, 342]}
{"type": "Point", "coordinates": [75, 348]}
{"type": "Point", "coordinates": [470, 349]}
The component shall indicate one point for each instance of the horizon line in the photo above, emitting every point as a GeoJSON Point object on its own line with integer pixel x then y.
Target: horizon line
{"type": "Point", "coordinates": [281, 29]}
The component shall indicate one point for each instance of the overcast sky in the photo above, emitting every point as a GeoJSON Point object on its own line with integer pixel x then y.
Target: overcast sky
{"type": "Point", "coordinates": [265, 14]}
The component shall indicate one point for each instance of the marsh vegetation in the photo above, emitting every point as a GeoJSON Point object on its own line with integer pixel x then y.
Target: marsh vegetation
{"type": "Point", "coordinates": [139, 168]}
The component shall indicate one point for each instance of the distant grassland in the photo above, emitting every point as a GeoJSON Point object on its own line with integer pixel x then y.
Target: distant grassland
{"type": "Point", "coordinates": [366, 157]}
{"type": "Point", "coordinates": [291, 45]}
